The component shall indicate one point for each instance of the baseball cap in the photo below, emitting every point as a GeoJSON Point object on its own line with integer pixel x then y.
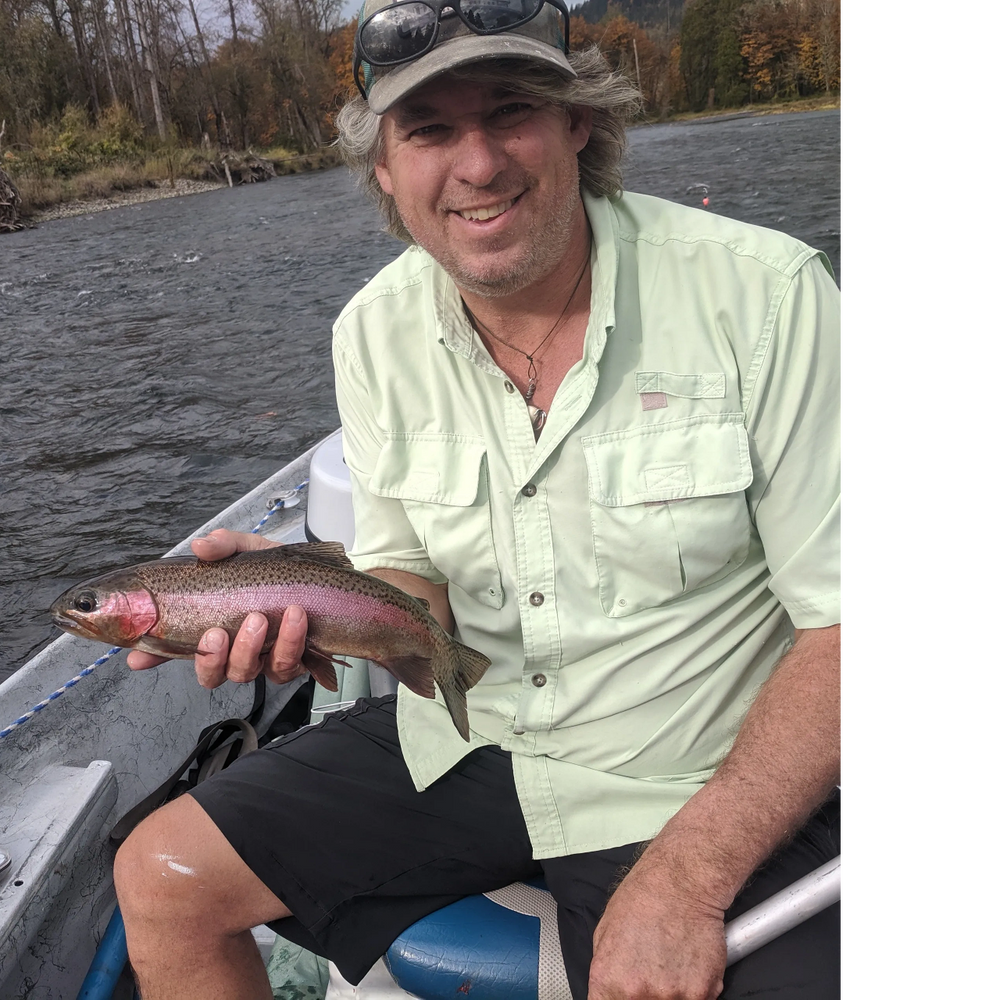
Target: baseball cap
{"type": "Point", "coordinates": [541, 40]}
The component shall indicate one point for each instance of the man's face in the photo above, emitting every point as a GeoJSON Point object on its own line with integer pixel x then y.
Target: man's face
{"type": "Point", "coordinates": [486, 181]}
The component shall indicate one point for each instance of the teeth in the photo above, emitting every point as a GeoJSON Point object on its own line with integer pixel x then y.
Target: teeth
{"type": "Point", "coordinates": [481, 214]}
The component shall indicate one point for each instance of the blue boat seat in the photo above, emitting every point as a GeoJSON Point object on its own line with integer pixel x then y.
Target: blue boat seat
{"type": "Point", "coordinates": [502, 945]}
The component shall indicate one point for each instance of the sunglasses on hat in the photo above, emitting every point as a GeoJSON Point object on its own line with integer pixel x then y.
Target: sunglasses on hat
{"type": "Point", "coordinates": [409, 29]}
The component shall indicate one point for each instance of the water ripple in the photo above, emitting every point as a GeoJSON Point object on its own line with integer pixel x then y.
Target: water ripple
{"type": "Point", "coordinates": [161, 359]}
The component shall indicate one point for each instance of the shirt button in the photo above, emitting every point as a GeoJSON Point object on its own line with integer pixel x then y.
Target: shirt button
{"type": "Point", "coordinates": [509, 386]}
{"type": "Point", "coordinates": [536, 598]}
{"type": "Point", "coordinates": [539, 680]}
{"type": "Point", "coordinates": [530, 490]}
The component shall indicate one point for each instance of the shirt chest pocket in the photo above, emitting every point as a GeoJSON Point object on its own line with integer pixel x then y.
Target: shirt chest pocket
{"type": "Point", "coordinates": [667, 508]}
{"type": "Point", "coordinates": [443, 485]}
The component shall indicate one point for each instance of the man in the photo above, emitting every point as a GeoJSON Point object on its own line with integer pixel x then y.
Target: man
{"type": "Point", "coordinates": [598, 435]}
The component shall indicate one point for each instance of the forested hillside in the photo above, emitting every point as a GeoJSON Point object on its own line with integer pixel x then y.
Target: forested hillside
{"type": "Point", "coordinates": [88, 83]}
{"type": "Point", "coordinates": [645, 13]}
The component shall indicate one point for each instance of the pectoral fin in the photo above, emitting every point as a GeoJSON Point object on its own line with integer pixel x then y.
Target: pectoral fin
{"type": "Point", "coordinates": [163, 647]}
{"type": "Point", "coordinates": [322, 668]}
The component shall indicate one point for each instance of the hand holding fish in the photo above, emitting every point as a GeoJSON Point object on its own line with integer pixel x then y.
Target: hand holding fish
{"type": "Point", "coordinates": [282, 609]}
{"type": "Point", "coordinates": [216, 660]}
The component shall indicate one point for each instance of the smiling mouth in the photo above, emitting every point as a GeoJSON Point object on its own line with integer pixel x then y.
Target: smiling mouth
{"type": "Point", "coordinates": [482, 214]}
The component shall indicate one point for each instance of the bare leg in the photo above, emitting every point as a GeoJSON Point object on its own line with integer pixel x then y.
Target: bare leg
{"type": "Point", "coordinates": [189, 901]}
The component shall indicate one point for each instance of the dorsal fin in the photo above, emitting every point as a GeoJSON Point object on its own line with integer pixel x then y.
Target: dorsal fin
{"type": "Point", "coordinates": [423, 601]}
{"type": "Point", "coordinates": [332, 553]}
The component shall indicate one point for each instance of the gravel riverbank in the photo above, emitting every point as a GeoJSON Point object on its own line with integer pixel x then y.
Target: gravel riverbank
{"type": "Point", "coordinates": [181, 187]}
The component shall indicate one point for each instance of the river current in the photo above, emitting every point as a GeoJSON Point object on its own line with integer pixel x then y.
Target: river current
{"type": "Point", "coordinates": [157, 361]}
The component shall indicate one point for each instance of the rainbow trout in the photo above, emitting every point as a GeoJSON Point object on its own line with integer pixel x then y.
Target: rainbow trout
{"type": "Point", "coordinates": [165, 606]}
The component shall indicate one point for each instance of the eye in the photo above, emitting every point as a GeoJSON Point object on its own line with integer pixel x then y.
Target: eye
{"type": "Point", "coordinates": [85, 601]}
{"type": "Point", "coordinates": [426, 131]}
{"type": "Point", "coordinates": [515, 111]}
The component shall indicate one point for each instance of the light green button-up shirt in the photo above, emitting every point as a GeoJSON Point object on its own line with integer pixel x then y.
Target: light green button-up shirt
{"type": "Point", "coordinates": [635, 574]}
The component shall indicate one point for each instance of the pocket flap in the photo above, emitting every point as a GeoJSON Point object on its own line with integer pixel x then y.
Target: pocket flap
{"type": "Point", "coordinates": [434, 468]}
{"type": "Point", "coordinates": [710, 385]}
{"type": "Point", "coordinates": [697, 456]}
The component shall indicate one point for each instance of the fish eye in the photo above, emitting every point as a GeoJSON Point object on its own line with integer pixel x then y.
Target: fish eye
{"type": "Point", "coordinates": [85, 601]}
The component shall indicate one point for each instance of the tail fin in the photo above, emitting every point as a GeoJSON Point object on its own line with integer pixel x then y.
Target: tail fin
{"type": "Point", "coordinates": [464, 668]}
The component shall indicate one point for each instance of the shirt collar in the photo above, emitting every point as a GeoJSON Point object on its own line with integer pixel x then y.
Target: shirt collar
{"type": "Point", "coordinates": [455, 331]}
{"type": "Point", "coordinates": [603, 274]}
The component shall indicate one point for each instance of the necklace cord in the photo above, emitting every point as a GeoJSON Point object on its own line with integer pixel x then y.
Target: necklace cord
{"type": "Point", "coordinates": [532, 373]}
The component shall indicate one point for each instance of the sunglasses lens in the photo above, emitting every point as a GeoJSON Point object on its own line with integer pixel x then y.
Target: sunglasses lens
{"type": "Point", "coordinates": [498, 15]}
{"type": "Point", "coordinates": [399, 32]}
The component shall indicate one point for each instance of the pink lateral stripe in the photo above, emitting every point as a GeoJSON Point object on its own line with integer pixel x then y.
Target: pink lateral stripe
{"type": "Point", "coordinates": [313, 599]}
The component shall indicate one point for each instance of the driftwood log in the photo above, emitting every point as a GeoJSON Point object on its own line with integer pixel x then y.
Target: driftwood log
{"type": "Point", "coordinates": [10, 204]}
{"type": "Point", "coordinates": [245, 168]}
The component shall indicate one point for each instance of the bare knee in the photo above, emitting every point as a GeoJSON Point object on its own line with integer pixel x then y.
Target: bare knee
{"type": "Point", "coordinates": [161, 871]}
{"type": "Point", "coordinates": [177, 870]}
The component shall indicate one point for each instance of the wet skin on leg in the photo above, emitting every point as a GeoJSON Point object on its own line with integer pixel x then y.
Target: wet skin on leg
{"type": "Point", "coordinates": [188, 901]}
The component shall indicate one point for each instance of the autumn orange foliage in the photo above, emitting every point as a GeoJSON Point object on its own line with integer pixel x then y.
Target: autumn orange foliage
{"type": "Point", "coordinates": [282, 80]}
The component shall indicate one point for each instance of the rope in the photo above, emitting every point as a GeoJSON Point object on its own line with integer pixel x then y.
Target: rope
{"type": "Point", "coordinates": [72, 682]}
{"type": "Point", "coordinates": [278, 504]}
{"type": "Point", "coordinates": [100, 661]}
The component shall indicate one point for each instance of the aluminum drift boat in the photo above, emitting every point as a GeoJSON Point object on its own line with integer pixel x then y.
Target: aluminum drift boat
{"type": "Point", "coordinates": [69, 772]}
{"type": "Point", "coordinates": [71, 769]}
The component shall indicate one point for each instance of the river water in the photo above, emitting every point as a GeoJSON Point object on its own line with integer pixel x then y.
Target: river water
{"type": "Point", "coordinates": [158, 361]}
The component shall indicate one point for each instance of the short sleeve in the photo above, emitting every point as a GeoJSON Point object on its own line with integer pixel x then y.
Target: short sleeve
{"type": "Point", "coordinates": [792, 412]}
{"type": "Point", "coordinates": [384, 537]}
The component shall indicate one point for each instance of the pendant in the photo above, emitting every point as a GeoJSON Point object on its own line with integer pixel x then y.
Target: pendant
{"type": "Point", "coordinates": [537, 417]}
{"type": "Point", "coordinates": [532, 379]}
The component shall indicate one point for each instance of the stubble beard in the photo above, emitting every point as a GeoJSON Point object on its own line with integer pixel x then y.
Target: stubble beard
{"type": "Point", "coordinates": [548, 240]}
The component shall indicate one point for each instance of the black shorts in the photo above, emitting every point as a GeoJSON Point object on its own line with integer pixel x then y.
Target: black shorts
{"type": "Point", "coordinates": [328, 819]}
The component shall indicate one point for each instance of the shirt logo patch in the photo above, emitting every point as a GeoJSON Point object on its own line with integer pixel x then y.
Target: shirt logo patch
{"type": "Point", "coordinates": [653, 400]}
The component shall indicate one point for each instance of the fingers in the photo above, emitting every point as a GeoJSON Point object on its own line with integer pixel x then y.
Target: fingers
{"type": "Point", "coordinates": [244, 654]}
{"type": "Point", "coordinates": [285, 661]}
{"type": "Point", "coordinates": [211, 659]}
{"type": "Point", "coordinates": [138, 660]}
{"type": "Point", "coordinates": [222, 543]}
{"type": "Point", "coordinates": [219, 660]}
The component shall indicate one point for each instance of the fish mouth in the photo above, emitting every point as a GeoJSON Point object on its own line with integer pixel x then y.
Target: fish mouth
{"type": "Point", "coordinates": [69, 624]}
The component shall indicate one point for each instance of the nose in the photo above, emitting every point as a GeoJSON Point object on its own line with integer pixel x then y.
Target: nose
{"type": "Point", "coordinates": [479, 157]}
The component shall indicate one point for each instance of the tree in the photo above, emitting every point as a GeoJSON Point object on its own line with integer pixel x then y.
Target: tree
{"type": "Point", "coordinates": [628, 48]}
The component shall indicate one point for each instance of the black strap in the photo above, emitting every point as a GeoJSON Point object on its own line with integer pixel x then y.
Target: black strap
{"type": "Point", "coordinates": [259, 691]}
{"type": "Point", "coordinates": [206, 753]}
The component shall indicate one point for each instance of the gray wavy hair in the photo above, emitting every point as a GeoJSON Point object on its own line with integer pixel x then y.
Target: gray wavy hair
{"type": "Point", "coordinates": [613, 98]}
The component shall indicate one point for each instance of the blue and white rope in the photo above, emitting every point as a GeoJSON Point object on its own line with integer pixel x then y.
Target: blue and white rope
{"type": "Point", "coordinates": [278, 504]}
{"type": "Point", "coordinates": [100, 661]}
{"type": "Point", "coordinates": [72, 682]}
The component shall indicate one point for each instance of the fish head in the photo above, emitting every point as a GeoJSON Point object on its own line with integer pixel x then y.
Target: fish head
{"type": "Point", "coordinates": [109, 609]}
